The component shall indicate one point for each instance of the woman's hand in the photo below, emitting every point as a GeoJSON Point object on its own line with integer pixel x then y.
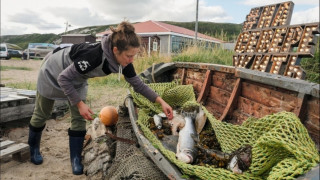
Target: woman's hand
{"type": "Point", "coordinates": [84, 110]}
{"type": "Point", "coordinates": [167, 109]}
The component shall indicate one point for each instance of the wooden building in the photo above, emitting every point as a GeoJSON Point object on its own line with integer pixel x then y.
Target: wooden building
{"type": "Point", "coordinates": [165, 38]}
{"type": "Point", "coordinates": [78, 38]}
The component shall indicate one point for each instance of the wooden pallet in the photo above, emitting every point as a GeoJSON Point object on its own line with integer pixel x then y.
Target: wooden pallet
{"type": "Point", "coordinates": [18, 104]}
{"type": "Point", "coordinates": [19, 151]}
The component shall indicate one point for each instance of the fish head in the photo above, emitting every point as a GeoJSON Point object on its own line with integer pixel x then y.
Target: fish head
{"type": "Point", "coordinates": [185, 156]}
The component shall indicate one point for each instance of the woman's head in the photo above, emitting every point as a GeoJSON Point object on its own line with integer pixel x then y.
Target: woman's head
{"type": "Point", "coordinates": [125, 43]}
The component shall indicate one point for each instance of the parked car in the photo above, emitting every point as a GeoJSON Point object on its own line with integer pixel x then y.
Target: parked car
{"type": "Point", "coordinates": [15, 53]}
{"type": "Point", "coordinates": [38, 50]}
{"type": "Point", "coordinates": [4, 52]}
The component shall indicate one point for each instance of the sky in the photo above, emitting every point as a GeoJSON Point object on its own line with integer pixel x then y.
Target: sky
{"type": "Point", "coordinates": [47, 16]}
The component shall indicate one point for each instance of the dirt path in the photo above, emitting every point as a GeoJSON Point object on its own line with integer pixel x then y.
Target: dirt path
{"type": "Point", "coordinates": [55, 141]}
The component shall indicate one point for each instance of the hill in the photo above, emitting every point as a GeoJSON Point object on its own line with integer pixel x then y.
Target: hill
{"type": "Point", "coordinates": [223, 31]}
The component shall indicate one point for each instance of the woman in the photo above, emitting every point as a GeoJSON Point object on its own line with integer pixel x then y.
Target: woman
{"type": "Point", "coordinates": [64, 74]}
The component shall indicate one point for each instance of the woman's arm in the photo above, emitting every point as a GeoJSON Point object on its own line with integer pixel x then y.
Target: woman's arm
{"type": "Point", "coordinates": [152, 96]}
{"type": "Point", "coordinates": [140, 87]}
{"type": "Point", "coordinates": [65, 79]}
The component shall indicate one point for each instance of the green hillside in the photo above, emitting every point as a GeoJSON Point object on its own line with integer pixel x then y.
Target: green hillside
{"type": "Point", "coordinates": [223, 31]}
{"type": "Point", "coordinates": [23, 40]}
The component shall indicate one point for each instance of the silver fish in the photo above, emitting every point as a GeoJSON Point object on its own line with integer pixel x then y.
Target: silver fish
{"type": "Point", "coordinates": [157, 121]}
{"type": "Point", "coordinates": [186, 146]}
{"type": "Point", "coordinates": [170, 142]}
{"type": "Point", "coordinates": [200, 120]}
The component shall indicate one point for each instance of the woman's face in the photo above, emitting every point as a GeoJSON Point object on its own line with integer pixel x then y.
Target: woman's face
{"type": "Point", "coordinates": [125, 57]}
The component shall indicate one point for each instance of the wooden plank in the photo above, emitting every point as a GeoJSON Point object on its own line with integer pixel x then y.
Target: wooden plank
{"type": "Point", "coordinates": [301, 108]}
{"type": "Point", "coordinates": [5, 144]}
{"type": "Point", "coordinates": [183, 74]}
{"type": "Point", "coordinates": [197, 85]}
{"type": "Point", "coordinates": [205, 87]}
{"type": "Point", "coordinates": [215, 108]}
{"type": "Point", "coordinates": [223, 81]}
{"type": "Point", "coordinates": [13, 149]}
{"type": "Point", "coordinates": [233, 98]}
{"type": "Point", "coordinates": [17, 112]}
{"type": "Point", "coordinates": [219, 95]}
{"type": "Point", "coordinates": [252, 108]}
{"type": "Point", "coordinates": [270, 96]}
{"type": "Point", "coordinates": [28, 93]}
{"type": "Point", "coordinates": [12, 97]}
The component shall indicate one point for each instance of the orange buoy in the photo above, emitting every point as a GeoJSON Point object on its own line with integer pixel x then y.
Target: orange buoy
{"type": "Point", "coordinates": [108, 115]}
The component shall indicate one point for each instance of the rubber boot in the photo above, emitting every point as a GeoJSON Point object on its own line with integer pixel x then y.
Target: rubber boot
{"type": "Point", "coordinates": [76, 139]}
{"type": "Point", "coordinates": [34, 144]}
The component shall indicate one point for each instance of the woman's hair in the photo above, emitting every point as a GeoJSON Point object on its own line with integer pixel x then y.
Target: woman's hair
{"type": "Point", "coordinates": [124, 37]}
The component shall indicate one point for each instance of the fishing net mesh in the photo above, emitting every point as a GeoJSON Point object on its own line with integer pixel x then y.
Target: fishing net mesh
{"type": "Point", "coordinates": [281, 146]}
{"type": "Point", "coordinates": [129, 161]}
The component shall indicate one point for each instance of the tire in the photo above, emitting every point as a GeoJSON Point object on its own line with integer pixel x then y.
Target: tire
{"type": "Point", "coordinates": [8, 57]}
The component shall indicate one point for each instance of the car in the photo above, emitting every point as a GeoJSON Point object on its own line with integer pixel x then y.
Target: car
{"type": "Point", "coordinates": [37, 50]}
{"type": "Point", "coordinates": [15, 53]}
{"type": "Point", "coordinates": [4, 52]}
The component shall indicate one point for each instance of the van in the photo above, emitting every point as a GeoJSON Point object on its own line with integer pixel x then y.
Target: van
{"type": "Point", "coordinates": [38, 50]}
{"type": "Point", "coordinates": [4, 52]}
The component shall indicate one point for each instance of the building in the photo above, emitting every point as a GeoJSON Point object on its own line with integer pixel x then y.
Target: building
{"type": "Point", "coordinates": [165, 38]}
{"type": "Point", "coordinates": [77, 38]}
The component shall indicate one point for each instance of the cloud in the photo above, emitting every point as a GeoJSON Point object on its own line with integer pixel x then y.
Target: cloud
{"type": "Point", "coordinates": [214, 14]}
{"type": "Point", "coordinates": [307, 16]}
{"type": "Point", "coordinates": [267, 2]}
{"type": "Point", "coordinates": [77, 16]}
{"type": "Point", "coordinates": [12, 30]}
{"type": "Point", "coordinates": [30, 18]}
{"type": "Point", "coordinates": [158, 10]}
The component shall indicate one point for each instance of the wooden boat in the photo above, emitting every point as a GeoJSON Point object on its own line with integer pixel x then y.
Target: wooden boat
{"type": "Point", "coordinates": [262, 81]}
{"type": "Point", "coordinates": [232, 95]}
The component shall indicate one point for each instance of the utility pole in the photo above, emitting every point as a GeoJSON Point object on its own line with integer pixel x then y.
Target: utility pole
{"type": "Point", "coordinates": [196, 26]}
{"type": "Point", "coordinates": [67, 25]}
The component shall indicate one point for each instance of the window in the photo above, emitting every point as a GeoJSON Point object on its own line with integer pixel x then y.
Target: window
{"type": "Point", "coordinates": [155, 46]}
{"type": "Point", "coordinates": [179, 43]}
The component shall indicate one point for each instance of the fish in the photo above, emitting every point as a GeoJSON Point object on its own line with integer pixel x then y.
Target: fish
{"type": "Point", "coordinates": [233, 165]}
{"type": "Point", "coordinates": [177, 123]}
{"type": "Point", "coordinates": [241, 159]}
{"type": "Point", "coordinates": [200, 121]}
{"type": "Point", "coordinates": [157, 121]}
{"type": "Point", "coordinates": [237, 161]}
{"type": "Point", "coordinates": [217, 158]}
{"type": "Point", "coordinates": [170, 142]}
{"type": "Point", "coordinates": [186, 151]}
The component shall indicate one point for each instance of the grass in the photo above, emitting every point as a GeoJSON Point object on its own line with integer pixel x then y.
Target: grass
{"type": "Point", "coordinates": [312, 67]}
{"type": "Point", "coordinates": [110, 80]}
{"type": "Point", "coordinates": [143, 61]}
{"type": "Point", "coordinates": [215, 55]}
{"type": "Point", "coordinates": [23, 85]}
{"type": "Point", "coordinates": [5, 68]}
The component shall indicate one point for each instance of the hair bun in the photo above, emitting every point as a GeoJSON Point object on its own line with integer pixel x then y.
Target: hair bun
{"type": "Point", "coordinates": [126, 27]}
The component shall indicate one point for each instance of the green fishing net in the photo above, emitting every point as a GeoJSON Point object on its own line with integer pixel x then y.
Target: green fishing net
{"type": "Point", "coordinates": [281, 146]}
